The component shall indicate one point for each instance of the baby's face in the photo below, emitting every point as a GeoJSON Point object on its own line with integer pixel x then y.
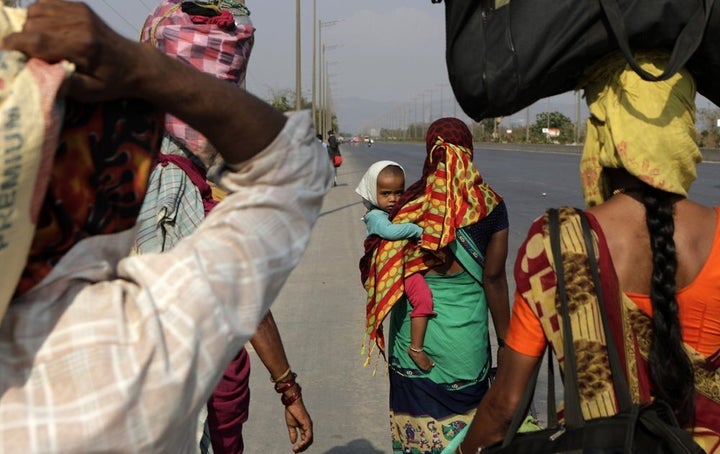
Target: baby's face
{"type": "Point", "coordinates": [390, 187]}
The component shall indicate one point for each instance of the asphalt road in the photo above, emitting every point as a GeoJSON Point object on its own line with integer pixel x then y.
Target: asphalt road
{"type": "Point", "coordinates": [321, 310]}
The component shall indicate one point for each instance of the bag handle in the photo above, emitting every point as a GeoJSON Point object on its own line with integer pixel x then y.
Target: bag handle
{"type": "Point", "coordinates": [686, 44]}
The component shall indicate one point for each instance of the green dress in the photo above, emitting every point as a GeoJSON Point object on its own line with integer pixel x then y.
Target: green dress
{"type": "Point", "coordinates": [427, 410]}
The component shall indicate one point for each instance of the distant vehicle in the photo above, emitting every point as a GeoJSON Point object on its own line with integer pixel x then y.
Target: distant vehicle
{"type": "Point", "coordinates": [356, 139]}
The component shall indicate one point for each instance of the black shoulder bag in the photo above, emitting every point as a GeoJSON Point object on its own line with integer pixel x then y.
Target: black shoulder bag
{"type": "Point", "coordinates": [503, 55]}
{"type": "Point", "coordinates": [636, 428]}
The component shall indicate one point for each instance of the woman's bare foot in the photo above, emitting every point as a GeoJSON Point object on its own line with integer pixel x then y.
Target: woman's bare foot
{"type": "Point", "coordinates": [421, 359]}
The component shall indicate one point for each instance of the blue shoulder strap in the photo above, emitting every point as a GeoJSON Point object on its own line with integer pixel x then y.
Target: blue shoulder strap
{"type": "Point", "coordinates": [468, 255]}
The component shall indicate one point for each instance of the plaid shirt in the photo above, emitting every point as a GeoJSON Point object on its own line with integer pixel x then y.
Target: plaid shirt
{"type": "Point", "coordinates": [172, 209]}
{"type": "Point", "coordinates": [116, 353]}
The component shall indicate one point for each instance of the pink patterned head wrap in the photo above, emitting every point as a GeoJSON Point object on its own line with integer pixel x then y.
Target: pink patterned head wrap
{"type": "Point", "coordinates": [216, 46]}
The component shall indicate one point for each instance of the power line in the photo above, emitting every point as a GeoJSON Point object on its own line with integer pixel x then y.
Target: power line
{"type": "Point", "coordinates": [121, 16]}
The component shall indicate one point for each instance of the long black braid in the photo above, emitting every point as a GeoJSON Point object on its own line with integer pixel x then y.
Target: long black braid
{"type": "Point", "coordinates": [670, 368]}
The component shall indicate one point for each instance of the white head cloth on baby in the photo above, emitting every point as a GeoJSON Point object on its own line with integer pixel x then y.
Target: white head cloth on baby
{"type": "Point", "coordinates": [367, 188]}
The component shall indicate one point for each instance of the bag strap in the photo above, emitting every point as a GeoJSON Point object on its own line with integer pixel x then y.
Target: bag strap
{"type": "Point", "coordinates": [618, 375]}
{"type": "Point", "coordinates": [573, 412]}
{"type": "Point", "coordinates": [686, 44]}
{"type": "Point", "coordinates": [519, 416]}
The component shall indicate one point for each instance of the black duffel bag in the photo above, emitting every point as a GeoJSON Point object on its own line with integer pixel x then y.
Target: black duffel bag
{"type": "Point", "coordinates": [503, 55]}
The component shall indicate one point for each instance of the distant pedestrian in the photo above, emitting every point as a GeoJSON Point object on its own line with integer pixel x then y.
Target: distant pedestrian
{"type": "Point", "coordinates": [334, 152]}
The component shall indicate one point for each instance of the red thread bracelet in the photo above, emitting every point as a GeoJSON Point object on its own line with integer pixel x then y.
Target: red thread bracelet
{"type": "Point", "coordinates": [283, 386]}
{"type": "Point", "coordinates": [287, 401]}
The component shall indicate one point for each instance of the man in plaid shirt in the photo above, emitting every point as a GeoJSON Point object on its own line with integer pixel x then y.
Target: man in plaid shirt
{"type": "Point", "coordinates": [98, 355]}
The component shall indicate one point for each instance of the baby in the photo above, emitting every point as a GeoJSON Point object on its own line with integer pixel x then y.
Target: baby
{"type": "Point", "coordinates": [381, 188]}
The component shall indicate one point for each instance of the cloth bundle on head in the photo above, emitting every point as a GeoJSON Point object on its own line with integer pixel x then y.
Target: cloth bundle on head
{"type": "Point", "coordinates": [367, 188]}
{"type": "Point", "coordinates": [647, 128]}
{"type": "Point", "coordinates": [451, 194]}
{"type": "Point", "coordinates": [218, 47]}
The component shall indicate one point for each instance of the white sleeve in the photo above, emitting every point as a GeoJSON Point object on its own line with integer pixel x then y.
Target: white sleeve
{"type": "Point", "coordinates": [208, 294]}
{"type": "Point", "coordinates": [100, 357]}
{"type": "Point", "coordinates": [226, 274]}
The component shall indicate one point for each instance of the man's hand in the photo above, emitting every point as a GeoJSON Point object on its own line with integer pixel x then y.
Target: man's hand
{"type": "Point", "coordinates": [106, 62]}
{"type": "Point", "coordinates": [110, 66]}
{"type": "Point", "coordinates": [299, 426]}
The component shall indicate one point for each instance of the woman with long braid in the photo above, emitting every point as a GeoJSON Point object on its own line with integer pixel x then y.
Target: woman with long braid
{"type": "Point", "coordinates": [658, 257]}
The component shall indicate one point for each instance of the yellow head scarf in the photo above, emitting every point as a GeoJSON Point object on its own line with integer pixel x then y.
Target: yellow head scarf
{"type": "Point", "coordinates": [647, 128]}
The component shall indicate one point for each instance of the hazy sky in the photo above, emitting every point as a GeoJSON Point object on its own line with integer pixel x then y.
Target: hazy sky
{"type": "Point", "coordinates": [386, 50]}
{"type": "Point", "coordinates": [390, 52]}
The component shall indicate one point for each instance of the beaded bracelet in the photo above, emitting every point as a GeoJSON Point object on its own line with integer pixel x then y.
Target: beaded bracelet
{"type": "Point", "coordinates": [287, 401]}
{"type": "Point", "coordinates": [283, 386]}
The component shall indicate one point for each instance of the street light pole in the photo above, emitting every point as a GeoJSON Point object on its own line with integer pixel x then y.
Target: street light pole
{"type": "Point", "coordinates": [314, 63]}
{"type": "Point", "coordinates": [328, 99]}
{"type": "Point", "coordinates": [298, 95]}
{"type": "Point", "coordinates": [527, 124]}
{"type": "Point", "coordinates": [441, 86]}
{"type": "Point", "coordinates": [321, 79]}
{"type": "Point", "coordinates": [323, 94]}
{"type": "Point", "coordinates": [577, 117]}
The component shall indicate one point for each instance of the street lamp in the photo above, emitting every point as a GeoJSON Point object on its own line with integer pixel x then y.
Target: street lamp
{"type": "Point", "coordinates": [328, 106]}
{"type": "Point", "coordinates": [314, 62]}
{"type": "Point", "coordinates": [441, 86]}
{"type": "Point", "coordinates": [319, 119]}
{"type": "Point", "coordinates": [298, 100]}
{"type": "Point", "coordinates": [324, 104]}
